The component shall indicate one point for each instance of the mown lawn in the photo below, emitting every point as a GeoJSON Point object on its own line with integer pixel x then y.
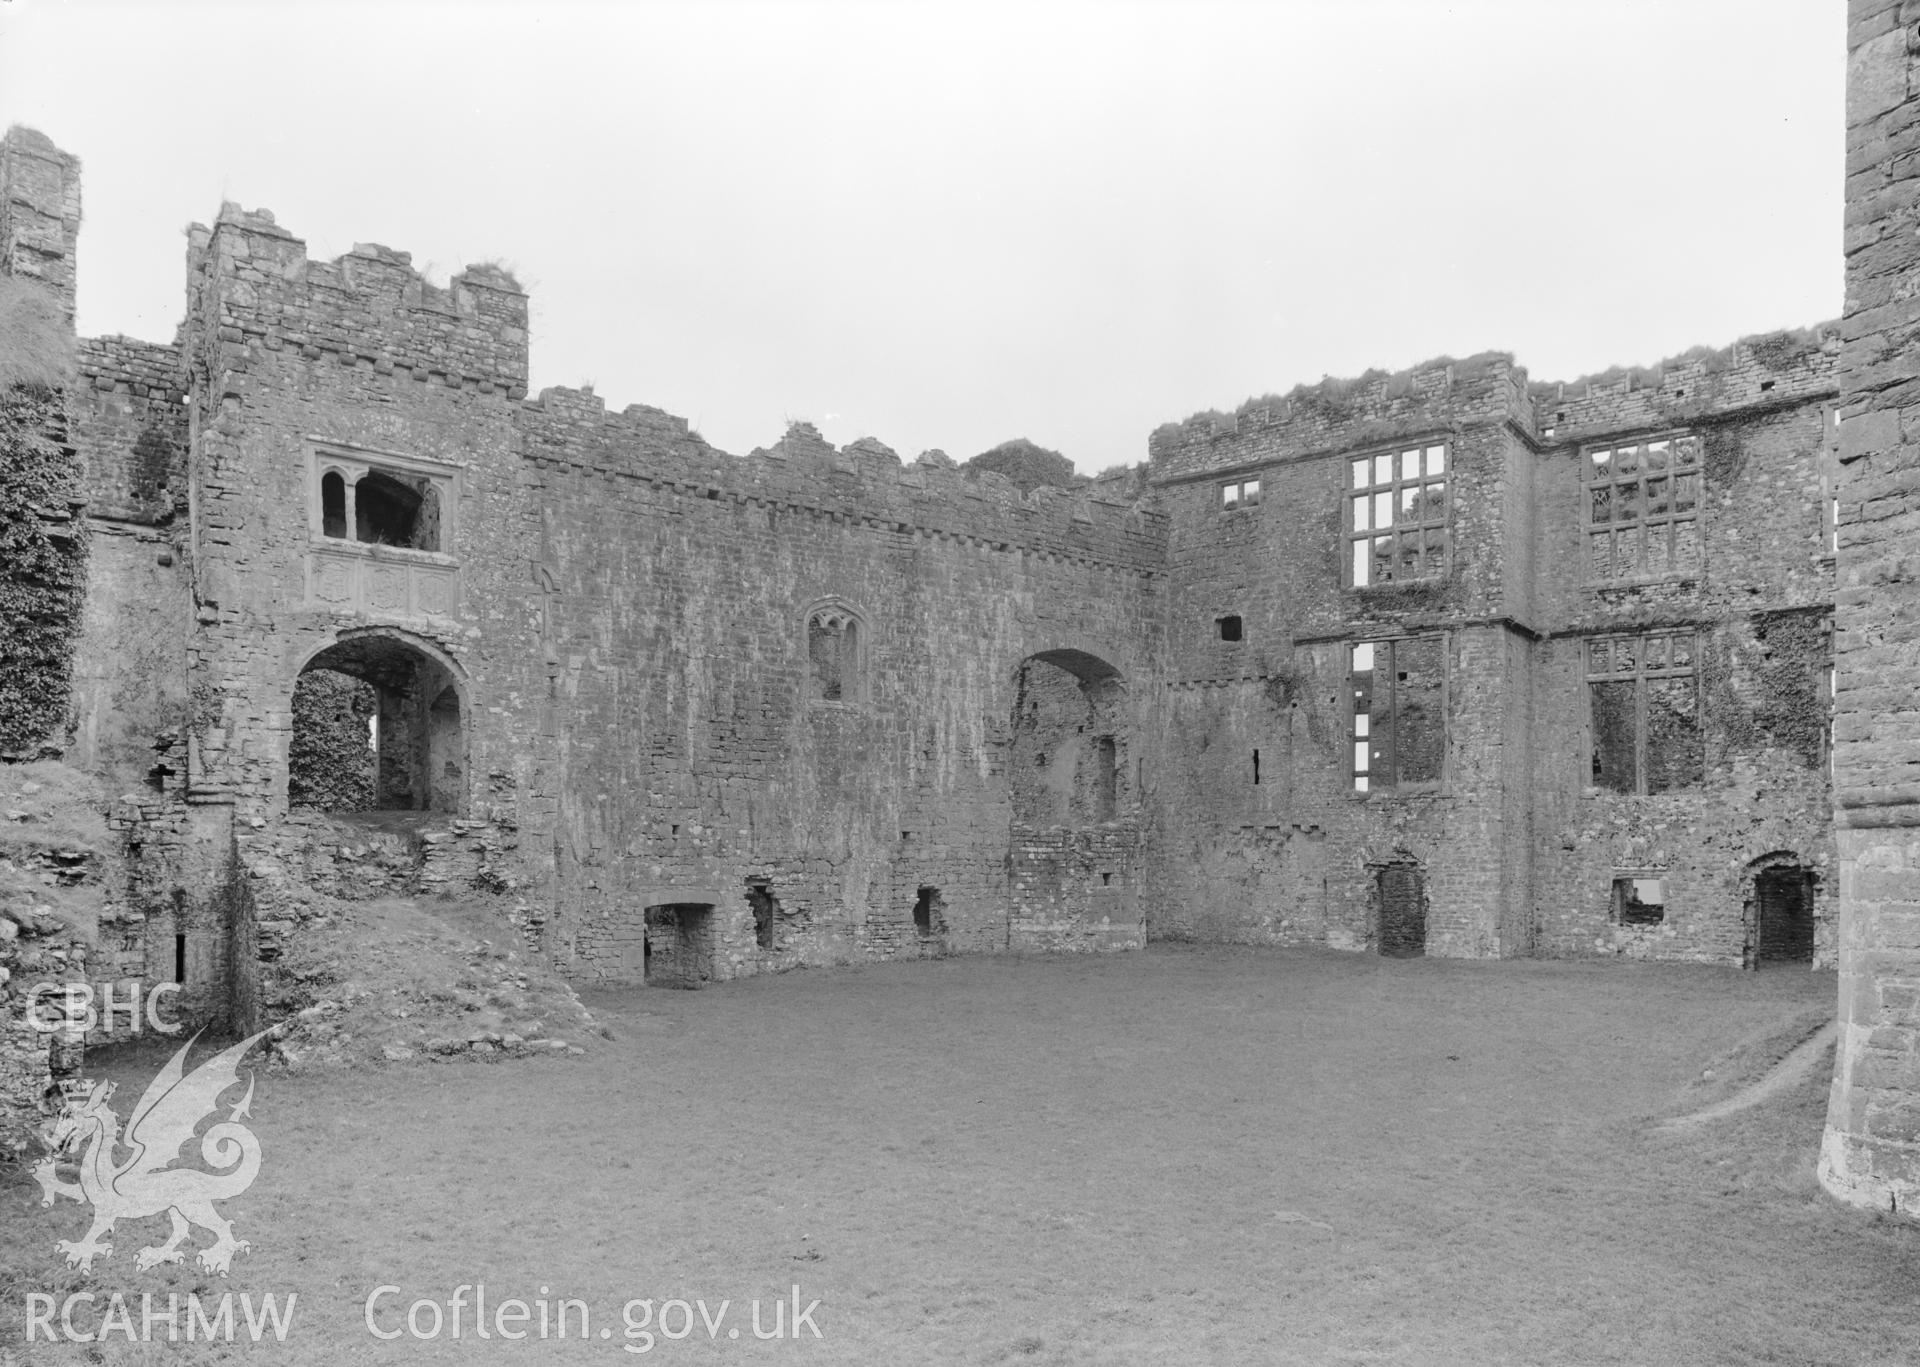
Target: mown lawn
{"type": "Point", "coordinates": [1180, 1156]}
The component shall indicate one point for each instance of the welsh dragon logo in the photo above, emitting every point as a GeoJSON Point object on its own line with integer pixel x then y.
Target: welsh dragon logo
{"type": "Point", "coordinates": [145, 1183]}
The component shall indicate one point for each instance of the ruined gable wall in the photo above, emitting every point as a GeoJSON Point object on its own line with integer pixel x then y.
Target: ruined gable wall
{"type": "Point", "coordinates": [127, 416]}
{"type": "Point", "coordinates": [1292, 858]}
{"type": "Point", "coordinates": [1756, 606]}
{"type": "Point", "coordinates": [692, 757]}
{"type": "Point", "coordinates": [1871, 1153]}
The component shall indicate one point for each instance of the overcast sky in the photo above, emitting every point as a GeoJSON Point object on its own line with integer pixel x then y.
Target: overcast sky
{"type": "Point", "coordinates": [951, 224]}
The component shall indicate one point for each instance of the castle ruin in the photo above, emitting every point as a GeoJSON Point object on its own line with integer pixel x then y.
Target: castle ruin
{"type": "Point", "coordinates": [1449, 661]}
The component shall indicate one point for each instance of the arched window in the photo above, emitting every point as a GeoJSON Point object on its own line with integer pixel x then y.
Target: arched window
{"type": "Point", "coordinates": [833, 654]}
{"type": "Point", "coordinates": [333, 505]}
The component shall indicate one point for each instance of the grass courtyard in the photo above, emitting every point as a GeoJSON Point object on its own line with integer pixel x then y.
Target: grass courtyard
{"type": "Point", "coordinates": [1187, 1155]}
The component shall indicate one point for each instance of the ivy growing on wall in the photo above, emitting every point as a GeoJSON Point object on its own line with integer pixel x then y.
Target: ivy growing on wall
{"type": "Point", "coordinates": [42, 571]}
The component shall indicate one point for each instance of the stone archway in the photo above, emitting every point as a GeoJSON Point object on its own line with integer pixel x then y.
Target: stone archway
{"type": "Point", "coordinates": [1072, 784]}
{"type": "Point", "coordinates": [379, 724]}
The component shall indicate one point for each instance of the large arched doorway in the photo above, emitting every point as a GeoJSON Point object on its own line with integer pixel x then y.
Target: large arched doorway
{"type": "Point", "coordinates": [1072, 782]}
{"type": "Point", "coordinates": [378, 725]}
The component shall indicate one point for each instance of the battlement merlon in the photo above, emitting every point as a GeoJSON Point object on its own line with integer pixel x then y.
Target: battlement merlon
{"type": "Point", "coordinates": [39, 212]}
{"type": "Point", "coordinates": [1337, 415]}
{"type": "Point", "coordinates": [568, 432]}
{"type": "Point", "coordinates": [250, 282]}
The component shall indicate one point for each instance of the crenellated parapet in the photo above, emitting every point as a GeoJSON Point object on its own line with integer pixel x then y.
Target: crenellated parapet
{"type": "Point", "coordinates": [1342, 414]}
{"type": "Point", "coordinates": [251, 283]}
{"type": "Point", "coordinates": [863, 483]}
{"type": "Point", "coordinates": [1772, 369]}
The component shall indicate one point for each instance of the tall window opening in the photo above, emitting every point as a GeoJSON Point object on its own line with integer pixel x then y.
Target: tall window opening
{"type": "Point", "coordinates": [1106, 778]}
{"type": "Point", "coordinates": [1399, 714]}
{"type": "Point", "coordinates": [333, 504]}
{"type": "Point", "coordinates": [929, 916]}
{"type": "Point", "coordinates": [1644, 706]}
{"type": "Point", "coordinates": [833, 654]}
{"type": "Point", "coordinates": [1642, 509]}
{"type": "Point", "coordinates": [1397, 516]}
{"type": "Point", "coordinates": [765, 909]}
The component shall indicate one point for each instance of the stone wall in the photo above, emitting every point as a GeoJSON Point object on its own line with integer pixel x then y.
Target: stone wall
{"type": "Point", "coordinates": [1519, 847]}
{"type": "Point", "coordinates": [1871, 1155]}
{"type": "Point", "coordinates": [692, 715]}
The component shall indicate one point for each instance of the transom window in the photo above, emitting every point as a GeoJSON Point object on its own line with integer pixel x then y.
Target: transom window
{"type": "Point", "coordinates": [1644, 705]}
{"type": "Point", "coordinates": [1243, 493]}
{"type": "Point", "coordinates": [1642, 508]}
{"type": "Point", "coordinates": [1397, 515]}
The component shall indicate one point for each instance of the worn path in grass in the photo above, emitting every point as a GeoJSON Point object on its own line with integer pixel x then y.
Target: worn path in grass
{"type": "Point", "coordinates": [1180, 1156]}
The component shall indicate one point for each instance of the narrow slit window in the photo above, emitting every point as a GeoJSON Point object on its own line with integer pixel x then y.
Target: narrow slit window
{"type": "Point", "coordinates": [929, 918]}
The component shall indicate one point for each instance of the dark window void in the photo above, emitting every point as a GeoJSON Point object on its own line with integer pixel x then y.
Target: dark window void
{"type": "Point", "coordinates": [1640, 901]}
{"type": "Point", "coordinates": [1229, 628]}
{"type": "Point", "coordinates": [929, 912]}
{"type": "Point", "coordinates": [1400, 892]}
{"type": "Point", "coordinates": [1783, 911]}
{"type": "Point", "coordinates": [1106, 778]}
{"type": "Point", "coordinates": [832, 645]}
{"type": "Point", "coordinates": [766, 907]}
{"type": "Point", "coordinates": [388, 511]}
{"type": "Point", "coordinates": [1256, 767]}
{"type": "Point", "coordinates": [179, 958]}
{"type": "Point", "coordinates": [333, 505]}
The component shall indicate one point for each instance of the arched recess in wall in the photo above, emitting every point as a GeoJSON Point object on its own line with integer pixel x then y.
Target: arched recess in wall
{"type": "Point", "coordinates": [1779, 910]}
{"type": "Point", "coordinates": [379, 724]}
{"type": "Point", "coordinates": [1070, 759]}
{"type": "Point", "coordinates": [834, 634]}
